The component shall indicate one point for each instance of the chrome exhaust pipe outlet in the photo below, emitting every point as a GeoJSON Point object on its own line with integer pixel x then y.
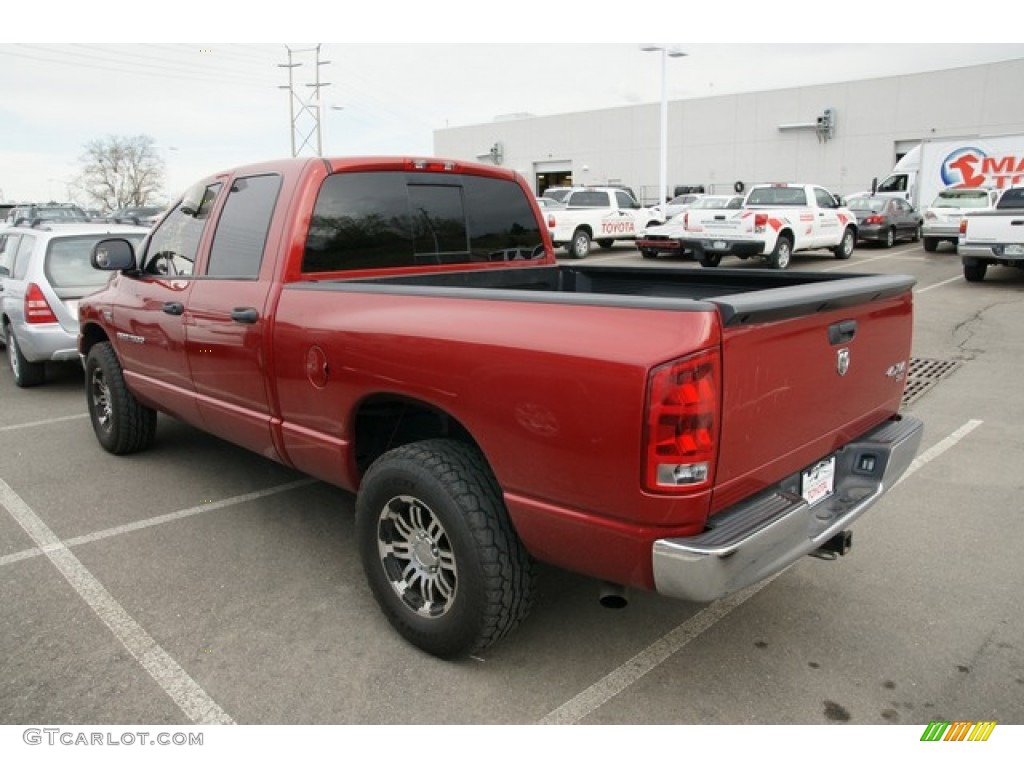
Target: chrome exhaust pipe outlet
{"type": "Point", "coordinates": [612, 595]}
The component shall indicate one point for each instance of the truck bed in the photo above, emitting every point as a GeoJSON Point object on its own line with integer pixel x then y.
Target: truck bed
{"type": "Point", "coordinates": [740, 296]}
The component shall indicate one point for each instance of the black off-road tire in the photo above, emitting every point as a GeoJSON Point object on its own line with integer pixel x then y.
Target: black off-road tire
{"type": "Point", "coordinates": [974, 271]}
{"type": "Point", "coordinates": [121, 423]}
{"type": "Point", "coordinates": [579, 247]}
{"type": "Point", "coordinates": [606, 243]}
{"type": "Point", "coordinates": [783, 252]}
{"type": "Point", "coordinates": [25, 372]}
{"type": "Point", "coordinates": [438, 549]}
{"type": "Point", "coordinates": [845, 248]}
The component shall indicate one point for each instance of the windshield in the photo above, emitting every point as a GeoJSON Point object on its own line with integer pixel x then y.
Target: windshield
{"type": "Point", "coordinates": [67, 261]}
{"type": "Point", "coordinates": [965, 198]}
{"type": "Point", "coordinates": [777, 196]}
{"type": "Point", "coordinates": [717, 202]}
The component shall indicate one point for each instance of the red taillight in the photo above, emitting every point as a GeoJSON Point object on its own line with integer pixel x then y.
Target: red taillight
{"type": "Point", "coordinates": [963, 226]}
{"type": "Point", "coordinates": [37, 310]}
{"type": "Point", "coordinates": [551, 221]}
{"type": "Point", "coordinates": [681, 436]}
{"type": "Point", "coordinates": [760, 222]}
{"type": "Point", "coordinates": [686, 220]}
{"type": "Point", "coordinates": [875, 219]}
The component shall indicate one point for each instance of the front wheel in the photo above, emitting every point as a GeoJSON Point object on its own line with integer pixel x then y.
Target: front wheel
{"type": "Point", "coordinates": [121, 423]}
{"type": "Point", "coordinates": [580, 245]}
{"type": "Point", "coordinates": [890, 238]}
{"type": "Point", "coordinates": [845, 248]}
{"type": "Point", "coordinates": [26, 373]}
{"type": "Point", "coordinates": [439, 552]}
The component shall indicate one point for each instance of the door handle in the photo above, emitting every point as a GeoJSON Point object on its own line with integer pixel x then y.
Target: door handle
{"type": "Point", "coordinates": [174, 308]}
{"type": "Point", "coordinates": [245, 315]}
{"type": "Point", "coordinates": [842, 332]}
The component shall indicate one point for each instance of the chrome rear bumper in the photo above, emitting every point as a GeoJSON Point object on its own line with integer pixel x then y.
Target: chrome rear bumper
{"type": "Point", "coordinates": [759, 537]}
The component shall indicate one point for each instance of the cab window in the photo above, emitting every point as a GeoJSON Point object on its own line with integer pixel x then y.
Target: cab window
{"type": "Point", "coordinates": [174, 243]}
{"type": "Point", "coordinates": [242, 227]}
{"type": "Point", "coordinates": [393, 219]}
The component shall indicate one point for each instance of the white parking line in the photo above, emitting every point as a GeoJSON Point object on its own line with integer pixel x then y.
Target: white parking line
{"type": "Point", "coordinates": [168, 674]}
{"type": "Point", "coordinates": [939, 448]}
{"type": "Point", "coordinates": [43, 423]}
{"type": "Point", "coordinates": [648, 659]}
{"type": "Point", "coordinates": [615, 682]}
{"type": "Point", "coordinates": [160, 519]}
{"type": "Point", "coordinates": [939, 285]}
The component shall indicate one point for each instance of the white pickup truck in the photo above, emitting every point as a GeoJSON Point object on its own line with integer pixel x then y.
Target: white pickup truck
{"type": "Point", "coordinates": [994, 236]}
{"type": "Point", "coordinates": [601, 214]}
{"type": "Point", "coordinates": [776, 221]}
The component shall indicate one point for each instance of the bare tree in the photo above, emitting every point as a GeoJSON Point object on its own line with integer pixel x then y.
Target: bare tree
{"type": "Point", "coordinates": [120, 171]}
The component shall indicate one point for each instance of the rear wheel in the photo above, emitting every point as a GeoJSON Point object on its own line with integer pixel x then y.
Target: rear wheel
{"type": "Point", "coordinates": [974, 271]}
{"type": "Point", "coordinates": [931, 244]}
{"type": "Point", "coordinates": [121, 423]}
{"type": "Point", "coordinates": [26, 373]}
{"type": "Point", "coordinates": [580, 245]}
{"type": "Point", "coordinates": [439, 552]}
{"type": "Point", "coordinates": [605, 243]}
{"type": "Point", "coordinates": [780, 257]}
{"type": "Point", "coordinates": [647, 253]}
{"type": "Point", "coordinates": [710, 259]}
{"type": "Point", "coordinates": [845, 248]}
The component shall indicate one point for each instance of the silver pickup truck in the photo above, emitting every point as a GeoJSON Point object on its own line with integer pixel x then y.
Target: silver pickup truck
{"type": "Point", "coordinates": [993, 236]}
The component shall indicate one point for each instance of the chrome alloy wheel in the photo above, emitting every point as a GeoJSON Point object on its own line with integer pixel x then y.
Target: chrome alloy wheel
{"type": "Point", "coordinates": [99, 393]}
{"type": "Point", "coordinates": [417, 556]}
{"type": "Point", "coordinates": [12, 353]}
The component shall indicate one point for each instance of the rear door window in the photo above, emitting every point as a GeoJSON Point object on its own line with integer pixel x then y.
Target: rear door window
{"type": "Point", "coordinates": [21, 258]}
{"type": "Point", "coordinates": [242, 227]}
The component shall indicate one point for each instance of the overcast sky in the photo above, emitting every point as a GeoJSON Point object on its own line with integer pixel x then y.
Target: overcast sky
{"type": "Point", "coordinates": [210, 106]}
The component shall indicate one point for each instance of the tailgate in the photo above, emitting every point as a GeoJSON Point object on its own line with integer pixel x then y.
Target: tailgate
{"type": "Point", "coordinates": [722, 224]}
{"type": "Point", "coordinates": [801, 379]}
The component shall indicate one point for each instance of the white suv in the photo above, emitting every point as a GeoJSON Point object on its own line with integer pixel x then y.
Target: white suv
{"type": "Point", "coordinates": [44, 271]}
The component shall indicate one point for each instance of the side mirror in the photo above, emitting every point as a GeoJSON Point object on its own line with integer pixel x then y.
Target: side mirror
{"type": "Point", "coordinates": [113, 255]}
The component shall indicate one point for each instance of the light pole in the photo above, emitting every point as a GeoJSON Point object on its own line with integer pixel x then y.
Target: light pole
{"type": "Point", "coordinates": [675, 53]}
{"type": "Point", "coordinates": [323, 120]}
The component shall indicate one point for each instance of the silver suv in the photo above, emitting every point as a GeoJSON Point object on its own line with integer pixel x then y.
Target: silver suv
{"type": "Point", "coordinates": [44, 271]}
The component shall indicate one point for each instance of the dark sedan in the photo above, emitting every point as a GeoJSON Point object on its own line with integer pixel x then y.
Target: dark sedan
{"type": "Point", "coordinates": [885, 219]}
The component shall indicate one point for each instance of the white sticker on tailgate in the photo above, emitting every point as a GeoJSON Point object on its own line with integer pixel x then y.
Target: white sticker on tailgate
{"type": "Point", "coordinates": [818, 482]}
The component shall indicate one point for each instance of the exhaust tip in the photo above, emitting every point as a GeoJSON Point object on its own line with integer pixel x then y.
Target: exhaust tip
{"type": "Point", "coordinates": [613, 596]}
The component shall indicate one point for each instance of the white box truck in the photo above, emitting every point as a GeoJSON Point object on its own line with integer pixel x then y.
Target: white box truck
{"type": "Point", "coordinates": [990, 162]}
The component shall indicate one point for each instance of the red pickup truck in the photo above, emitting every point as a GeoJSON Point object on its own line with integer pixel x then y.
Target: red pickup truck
{"type": "Point", "coordinates": [400, 328]}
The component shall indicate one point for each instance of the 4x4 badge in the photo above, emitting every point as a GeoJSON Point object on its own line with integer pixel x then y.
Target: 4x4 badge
{"type": "Point", "coordinates": [843, 361]}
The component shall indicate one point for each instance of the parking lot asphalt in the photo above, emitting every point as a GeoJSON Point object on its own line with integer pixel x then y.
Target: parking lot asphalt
{"type": "Point", "coordinates": [197, 583]}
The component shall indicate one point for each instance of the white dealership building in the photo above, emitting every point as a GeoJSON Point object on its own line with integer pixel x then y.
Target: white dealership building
{"type": "Point", "coordinates": [839, 135]}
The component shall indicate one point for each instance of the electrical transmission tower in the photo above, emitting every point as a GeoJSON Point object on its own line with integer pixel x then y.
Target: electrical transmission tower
{"type": "Point", "coordinates": [306, 113]}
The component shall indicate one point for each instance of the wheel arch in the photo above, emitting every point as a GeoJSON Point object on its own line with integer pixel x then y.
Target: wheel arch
{"type": "Point", "coordinates": [89, 336]}
{"type": "Point", "coordinates": [384, 421]}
